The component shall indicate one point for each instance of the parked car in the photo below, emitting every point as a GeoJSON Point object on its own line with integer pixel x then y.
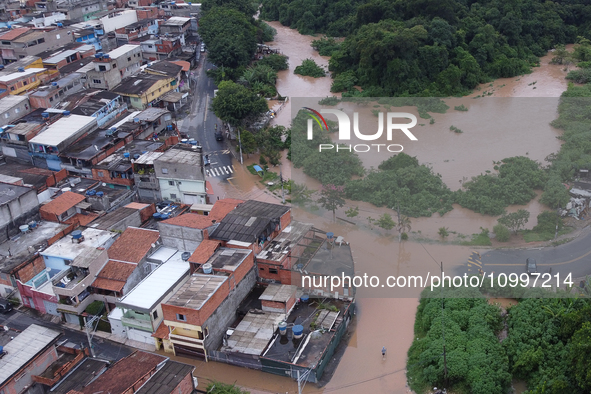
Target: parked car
{"type": "Point", "coordinates": [5, 306]}
{"type": "Point", "coordinates": [531, 267]}
{"type": "Point", "coordinates": [219, 136]}
{"type": "Point", "coordinates": [202, 47]}
{"type": "Point", "coordinates": [206, 161]}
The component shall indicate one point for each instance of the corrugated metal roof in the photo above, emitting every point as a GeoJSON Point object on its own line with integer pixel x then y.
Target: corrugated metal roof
{"type": "Point", "coordinates": [62, 130]}
{"type": "Point", "coordinates": [24, 348]}
{"type": "Point", "coordinates": [150, 291]}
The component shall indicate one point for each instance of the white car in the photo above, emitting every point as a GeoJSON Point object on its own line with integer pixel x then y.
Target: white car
{"type": "Point", "coordinates": [202, 47]}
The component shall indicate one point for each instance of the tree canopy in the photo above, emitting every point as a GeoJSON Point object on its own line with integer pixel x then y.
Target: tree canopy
{"type": "Point", "coordinates": [235, 103]}
{"type": "Point", "coordinates": [434, 47]}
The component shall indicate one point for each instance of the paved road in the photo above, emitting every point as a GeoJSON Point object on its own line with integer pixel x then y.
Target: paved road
{"type": "Point", "coordinates": [200, 125]}
{"type": "Point", "coordinates": [571, 258]}
{"type": "Point", "coordinates": [103, 348]}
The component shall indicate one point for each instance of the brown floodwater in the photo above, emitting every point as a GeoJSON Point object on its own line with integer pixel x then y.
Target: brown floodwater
{"type": "Point", "coordinates": [493, 129]}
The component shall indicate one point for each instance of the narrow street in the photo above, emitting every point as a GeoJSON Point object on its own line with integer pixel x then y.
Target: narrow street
{"type": "Point", "coordinates": [201, 122]}
{"type": "Point", "coordinates": [103, 348]}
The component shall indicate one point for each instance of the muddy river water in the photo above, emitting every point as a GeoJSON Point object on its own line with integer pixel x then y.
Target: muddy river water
{"type": "Point", "coordinates": [494, 128]}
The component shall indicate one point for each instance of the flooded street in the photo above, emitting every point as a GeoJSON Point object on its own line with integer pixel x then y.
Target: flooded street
{"type": "Point", "coordinates": [494, 129]}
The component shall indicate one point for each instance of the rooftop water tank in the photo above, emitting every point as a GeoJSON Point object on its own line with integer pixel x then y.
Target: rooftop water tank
{"type": "Point", "coordinates": [100, 194]}
{"type": "Point", "coordinates": [185, 256]}
{"type": "Point", "coordinates": [91, 192]}
{"type": "Point", "coordinates": [126, 155]}
{"type": "Point", "coordinates": [136, 156]}
{"type": "Point", "coordinates": [45, 115]}
{"type": "Point", "coordinates": [21, 69]}
{"type": "Point", "coordinates": [1, 67]}
{"type": "Point", "coordinates": [207, 268]}
{"type": "Point", "coordinates": [136, 120]}
{"type": "Point", "coordinates": [66, 113]}
{"type": "Point", "coordinates": [60, 25]}
{"type": "Point", "coordinates": [156, 215]}
{"type": "Point", "coordinates": [184, 140]}
{"type": "Point", "coordinates": [164, 216]}
{"type": "Point", "coordinates": [54, 83]}
{"type": "Point", "coordinates": [77, 234]}
{"type": "Point", "coordinates": [194, 143]}
{"type": "Point", "coordinates": [298, 331]}
{"type": "Point", "coordinates": [305, 298]}
{"type": "Point", "coordinates": [329, 235]}
{"type": "Point", "coordinates": [24, 228]}
{"type": "Point", "coordinates": [283, 328]}
{"type": "Point", "coordinates": [67, 189]}
{"type": "Point", "coordinates": [33, 224]}
{"type": "Point", "coordinates": [169, 127]}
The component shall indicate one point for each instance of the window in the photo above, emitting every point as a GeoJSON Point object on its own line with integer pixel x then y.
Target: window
{"type": "Point", "coordinates": [57, 36]}
{"type": "Point", "coordinates": [21, 56]}
{"type": "Point", "coordinates": [262, 269]}
{"type": "Point", "coordinates": [172, 196]}
{"type": "Point", "coordinates": [128, 59]}
{"type": "Point", "coordinates": [32, 79]}
{"type": "Point", "coordinates": [100, 173]}
{"type": "Point", "coordinates": [98, 81]}
{"type": "Point", "coordinates": [180, 317]}
{"type": "Point", "coordinates": [6, 42]}
{"type": "Point", "coordinates": [272, 270]}
{"type": "Point", "coordinates": [41, 40]}
{"type": "Point", "coordinates": [6, 115]}
{"type": "Point", "coordinates": [102, 68]}
{"type": "Point", "coordinates": [155, 314]}
{"type": "Point", "coordinates": [25, 83]}
{"type": "Point", "coordinates": [17, 110]}
{"type": "Point", "coordinates": [51, 99]}
{"type": "Point", "coordinates": [11, 88]}
{"type": "Point", "coordinates": [205, 332]}
{"type": "Point", "coordinates": [165, 170]}
{"type": "Point", "coordinates": [170, 183]}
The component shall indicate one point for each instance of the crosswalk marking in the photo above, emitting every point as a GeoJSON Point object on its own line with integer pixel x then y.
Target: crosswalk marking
{"type": "Point", "coordinates": [474, 261]}
{"type": "Point", "coordinates": [219, 171]}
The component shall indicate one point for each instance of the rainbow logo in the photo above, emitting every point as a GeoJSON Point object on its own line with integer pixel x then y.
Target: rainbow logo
{"type": "Point", "coordinates": [316, 117]}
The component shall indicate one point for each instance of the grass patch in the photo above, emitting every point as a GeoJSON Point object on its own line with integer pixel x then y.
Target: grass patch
{"type": "Point", "coordinates": [482, 239]}
{"type": "Point", "coordinates": [535, 236]}
{"type": "Point", "coordinates": [461, 108]}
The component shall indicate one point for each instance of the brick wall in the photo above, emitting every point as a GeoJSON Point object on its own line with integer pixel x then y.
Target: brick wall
{"type": "Point", "coordinates": [56, 178]}
{"type": "Point", "coordinates": [106, 177]}
{"type": "Point", "coordinates": [146, 213]}
{"type": "Point", "coordinates": [27, 271]}
{"type": "Point", "coordinates": [197, 317]}
{"type": "Point", "coordinates": [244, 268]}
{"type": "Point", "coordinates": [185, 386]}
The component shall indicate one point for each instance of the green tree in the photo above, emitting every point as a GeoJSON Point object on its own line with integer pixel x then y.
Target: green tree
{"type": "Point", "coordinates": [555, 194]}
{"type": "Point", "coordinates": [248, 142]}
{"type": "Point", "coordinates": [236, 104]}
{"type": "Point", "coordinates": [403, 225]}
{"type": "Point", "coordinates": [560, 55]}
{"type": "Point", "coordinates": [332, 198]}
{"type": "Point", "coordinates": [352, 212]}
{"type": "Point", "coordinates": [230, 37]}
{"type": "Point", "coordinates": [223, 388]}
{"type": "Point", "coordinates": [244, 6]}
{"type": "Point", "coordinates": [386, 222]}
{"type": "Point", "coordinates": [300, 194]}
{"type": "Point", "coordinates": [579, 350]}
{"type": "Point", "coordinates": [502, 233]}
{"type": "Point", "coordinates": [514, 220]}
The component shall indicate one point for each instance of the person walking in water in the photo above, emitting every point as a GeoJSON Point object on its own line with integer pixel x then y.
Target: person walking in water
{"type": "Point", "coordinates": [384, 352]}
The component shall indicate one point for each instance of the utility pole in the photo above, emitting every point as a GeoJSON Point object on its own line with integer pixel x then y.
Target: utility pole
{"type": "Point", "coordinates": [240, 145]}
{"type": "Point", "coordinates": [443, 333]}
{"type": "Point", "coordinates": [299, 383]}
{"type": "Point", "coordinates": [399, 223]}
{"type": "Point", "coordinates": [281, 178]}
{"type": "Point", "coordinates": [88, 326]}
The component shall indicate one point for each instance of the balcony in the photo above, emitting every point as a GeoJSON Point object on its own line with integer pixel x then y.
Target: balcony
{"type": "Point", "coordinates": [144, 325]}
{"type": "Point", "coordinates": [186, 341]}
{"type": "Point", "coordinates": [71, 306]}
{"type": "Point", "coordinates": [71, 282]}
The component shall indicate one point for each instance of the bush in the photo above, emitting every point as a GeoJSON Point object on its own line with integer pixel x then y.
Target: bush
{"type": "Point", "coordinates": [443, 232]}
{"type": "Point", "coordinates": [580, 76]}
{"type": "Point", "coordinates": [309, 68]}
{"type": "Point", "coordinates": [547, 222]}
{"type": "Point", "coordinates": [329, 101]}
{"type": "Point", "coordinates": [262, 161]}
{"type": "Point", "coordinates": [95, 308]}
{"type": "Point", "coordinates": [461, 108]}
{"type": "Point", "coordinates": [502, 233]}
{"type": "Point", "coordinates": [404, 236]}
{"type": "Point", "coordinates": [275, 61]}
{"type": "Point", "coordinates": [326, 46]}
{"type": "Point", "coordinates": [344, 82]}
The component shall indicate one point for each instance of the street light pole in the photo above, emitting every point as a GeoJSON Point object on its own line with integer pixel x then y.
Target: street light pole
{"type": "Point", "coordinates": [240, 146]}
{"type": "Point", "coordinates": [281, 178]}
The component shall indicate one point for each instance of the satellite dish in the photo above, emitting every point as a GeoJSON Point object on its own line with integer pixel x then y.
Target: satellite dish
{"type": "Point", "coordinates": [153, 245]}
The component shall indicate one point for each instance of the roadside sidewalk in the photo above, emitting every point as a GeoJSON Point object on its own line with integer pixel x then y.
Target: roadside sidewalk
{"type": "Point", "coordinates": [114, 338]}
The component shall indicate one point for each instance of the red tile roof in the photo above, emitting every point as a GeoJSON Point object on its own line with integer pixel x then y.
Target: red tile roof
{"type": "Point", "coordinates": [62, 203]}
{"type": "Point", "coordinates": [14, 33]}
{"type": "Point", "coordinates": [137, 205]}
{"type": "Point", "coordinates": [122, 375]}
{"type": "Point", "coordinates": [223, 207]}
{"type": "Point", "coordinates": [133, 245]}
{"type": "Point", "coordinates": [191, 220]}
{"type": "Point", "coordinates": [204, 251]}
{"type": "Point", "coordinates": [162, 331]}
{"type": "Point", "coordinates": [83, 220]}
{"type": "Point", "coordinates": [114, 275]}
{"type": "Point", "coordinates": [185, 65]}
